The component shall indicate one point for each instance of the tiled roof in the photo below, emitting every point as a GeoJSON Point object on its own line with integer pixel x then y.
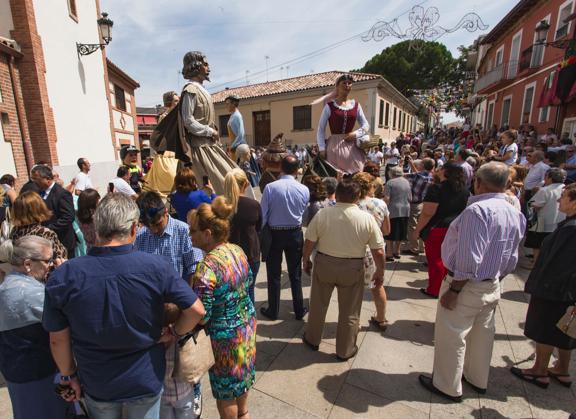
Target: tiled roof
{"type": "Point", "coordinates": [294, 84]}
{"type": "Point", "coordinates": [146, 111]}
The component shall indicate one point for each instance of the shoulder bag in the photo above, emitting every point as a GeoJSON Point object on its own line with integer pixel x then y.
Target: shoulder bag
{"type": "Point", "coordinates": [194, 356]}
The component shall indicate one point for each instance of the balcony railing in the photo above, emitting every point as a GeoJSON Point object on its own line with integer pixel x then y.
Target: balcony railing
{"type": "Point", "coordinates": [531, 57]}
{"type": "Point", "coordinates": [501, 73]}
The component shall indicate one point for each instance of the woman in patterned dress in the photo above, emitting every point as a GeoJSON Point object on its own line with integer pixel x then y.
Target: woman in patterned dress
{"type": "Point", "coordinates": [221, 281]}
{"type": "Point", "coordinates": [379, 210]}
{"type": "Point", "coordinates": [29, 211]}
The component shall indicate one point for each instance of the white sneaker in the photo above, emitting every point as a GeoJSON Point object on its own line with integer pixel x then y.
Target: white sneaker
{"type": "Point", "coordinates": [198, 404]}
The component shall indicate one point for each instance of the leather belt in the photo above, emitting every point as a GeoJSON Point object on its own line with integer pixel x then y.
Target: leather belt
{"type": "Point", "coordinates": [336, 257]}
{"type": "Point", "coordinates": [286, 228]}
{"type": "Point", "coordinates": [452, 275]}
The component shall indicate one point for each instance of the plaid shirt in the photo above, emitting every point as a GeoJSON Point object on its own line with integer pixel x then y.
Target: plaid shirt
{"type": "Point", "coordinates": [174, 389]}
{"type": "Point", "coordinates": [174, 243]}
{"type": "Point", "coordinates": [419, 184]}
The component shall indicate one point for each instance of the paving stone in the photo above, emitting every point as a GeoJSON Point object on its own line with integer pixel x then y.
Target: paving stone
{"type": "Point", "coordinates": [353, 401]}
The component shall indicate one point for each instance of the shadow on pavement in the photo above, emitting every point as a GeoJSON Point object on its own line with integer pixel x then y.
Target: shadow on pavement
{"type": "Point", "coordinates": [517, 296]}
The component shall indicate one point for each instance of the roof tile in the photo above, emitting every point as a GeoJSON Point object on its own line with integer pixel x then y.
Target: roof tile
{"type": "Point", "coordinates": [294, 84]}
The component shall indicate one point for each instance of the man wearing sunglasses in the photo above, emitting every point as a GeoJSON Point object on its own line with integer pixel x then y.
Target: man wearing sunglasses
{"type": "Point", "coordinates": [166, 236]}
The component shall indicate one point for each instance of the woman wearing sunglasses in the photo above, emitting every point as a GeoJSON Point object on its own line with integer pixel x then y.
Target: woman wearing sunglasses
{"type": "Point", "coordinates": [25, 359]}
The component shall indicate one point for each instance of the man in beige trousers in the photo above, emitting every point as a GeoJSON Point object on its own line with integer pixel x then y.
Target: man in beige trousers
{"type": "Point", "coordinates": [340, 234]}
{"type": "Point", "coordinates": [480, 248]}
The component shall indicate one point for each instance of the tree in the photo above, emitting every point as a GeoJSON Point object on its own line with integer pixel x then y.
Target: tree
{"type": "Point", "coordinates": [414, 65]}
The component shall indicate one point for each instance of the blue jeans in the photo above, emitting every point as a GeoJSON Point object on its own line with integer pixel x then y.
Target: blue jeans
{"type": "Point", "coordinates": [179, 409]}
{"type": "Point", "coordinates": [144, 408]}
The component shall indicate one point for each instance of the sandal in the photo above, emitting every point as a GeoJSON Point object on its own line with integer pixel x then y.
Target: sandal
{"type": "Point", "coordinates": [382, 325]}
{"type": "Point", "coordinates": [557, 377]}
{"type": "Point", "coordinates": [429, 294]}
{"type": "Point", "coordinates": [531, 378]}
{"type": "Point", "coordinates": [389, 259]}
{"type": "Point", "coordinates": [242, 414]}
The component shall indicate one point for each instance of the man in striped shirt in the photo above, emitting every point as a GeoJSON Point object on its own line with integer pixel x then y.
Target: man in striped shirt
{"type": "Point", "coordinates": [481, 247]}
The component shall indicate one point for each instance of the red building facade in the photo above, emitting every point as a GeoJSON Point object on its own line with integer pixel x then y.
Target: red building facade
{"type": "Point", "coordinates": [515, 69]}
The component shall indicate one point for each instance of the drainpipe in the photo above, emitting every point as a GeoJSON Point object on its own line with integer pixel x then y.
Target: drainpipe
{"type": "Point", "coordinates": [26, 146]}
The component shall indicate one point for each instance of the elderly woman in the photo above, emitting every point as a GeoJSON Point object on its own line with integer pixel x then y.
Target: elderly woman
{"type": "Point", "coordinates": [29, 212]}
{"type": "Point", "coordinates": [246, 222]}
{"type": "Point", "coordinates": [397, 194]}
{"type": "Point", "coordinates": [378, 209]}
{"type": "Point", "coordinates": [186, 195]}
{"type": "Point", "coordinates": [552, 291]}
{"type": "Point", "coordinates": [443, 202]}
{"type": "Point", "coordinates": [317, 198]}
{"type": "Point", "coordinates": [545, 204]}
{"type": "Point", "coordinates": [25, 359]}
{"type": "Point", "coordinates": [221, 281]}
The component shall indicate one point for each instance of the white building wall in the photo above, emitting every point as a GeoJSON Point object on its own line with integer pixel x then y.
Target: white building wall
{"type": "Point", "coordinates": [76, 86]}
{"type": "Point", "coordinates": [6, 24]}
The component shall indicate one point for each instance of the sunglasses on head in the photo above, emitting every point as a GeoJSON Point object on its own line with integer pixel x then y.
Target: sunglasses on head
{"type": "Point", "coordinates": [151, 212]}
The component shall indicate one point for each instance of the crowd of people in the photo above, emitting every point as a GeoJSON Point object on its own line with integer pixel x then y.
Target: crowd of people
{"type": "Point", "coordinates": [102, 289]}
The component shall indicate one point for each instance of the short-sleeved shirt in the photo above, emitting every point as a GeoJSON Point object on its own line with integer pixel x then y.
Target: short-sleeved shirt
{"type": "Point", "coordinates": [450, 203]}
{"type": "Point", "coordinates": [183, 202]}
{"type": "Point", "coordinates": [344, 230]}
{"type": "Point", "coordinates": [113, 302]}
{"type": "Point", "coordinates": [83, 182]}
{"type": "Point", "coordinates": [174, 243]}
{"type": "Point", "coordinates": [399, 195]}
{"type": "Point", "coordinates": [376, 207]}
{"type": "Point", "coordinates": [514, 149]}
{"type": "Point", "coordinates": [120, 185]}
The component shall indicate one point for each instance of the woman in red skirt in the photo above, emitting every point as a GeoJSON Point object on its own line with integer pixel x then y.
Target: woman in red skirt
{"type": "Point", "coordinates": [443, 202]}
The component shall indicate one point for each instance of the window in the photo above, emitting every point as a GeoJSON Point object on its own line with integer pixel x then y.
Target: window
{"type": "Point", "coordinates": [538, 49]}
{"type": "Point", "coordinates": [544, 114]}
{"type": "Point", "coordinates": [490, 115]}
{"type": "Point", "coordinates": [302, 117]}
{"type": "Point", "coordinates": [72, 10]}
{"type": "Point", "coordinates": [499, 56]}
{"type": "Point", "coordinates": [381, 114]}
{"type": "Point", "coordinates": [120, 98]}
{"type": "Point", "coordinates": [514, 55]}
{"type": "Point", "coordinates": [223, 125]}
{"type": "Point", "coordinates": [506, 104]}
{"type": "Point", "coordinates": [562, 28]}
{"type": "Point", "coordinates": [394, 119]}
{"type": "Point", "coordinates": [527, 106]}
{"type": "Point", "coordinates": [387, 115]}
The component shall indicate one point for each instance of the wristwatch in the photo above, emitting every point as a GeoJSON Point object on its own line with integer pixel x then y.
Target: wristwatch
{"type": "Point", "coordinates": [69, 377]}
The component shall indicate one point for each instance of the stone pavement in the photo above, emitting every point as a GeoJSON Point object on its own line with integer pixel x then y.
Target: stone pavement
{"type": "Point", "coordinates": [382, 380]}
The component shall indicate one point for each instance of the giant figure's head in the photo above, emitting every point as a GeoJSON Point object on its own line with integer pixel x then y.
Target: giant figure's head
{"type": "Point", "coordinates": [195, 65]}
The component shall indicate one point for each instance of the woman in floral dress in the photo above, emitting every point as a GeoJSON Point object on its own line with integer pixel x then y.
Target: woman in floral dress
{"type": "Point", "coordinates": [221, 281]}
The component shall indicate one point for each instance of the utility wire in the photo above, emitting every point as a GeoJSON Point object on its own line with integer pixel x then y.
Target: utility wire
{"type": "Point", "coordinates": [305, 57]}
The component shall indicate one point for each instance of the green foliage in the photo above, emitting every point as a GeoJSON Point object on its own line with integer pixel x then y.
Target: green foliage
{"type": "Point", "coordinates": [415, 65]}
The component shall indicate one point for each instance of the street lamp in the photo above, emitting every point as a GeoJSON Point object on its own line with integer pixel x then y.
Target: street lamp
{"type": "Point", "coordinates": [542, 32]}
{"type": "Point", "coordinates": [105, 30]}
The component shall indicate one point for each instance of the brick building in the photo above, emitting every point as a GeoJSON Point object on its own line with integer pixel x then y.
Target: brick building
{"type": "Point", "coordinates": [55, 104]}
{"type": "Point", "coordinates": [514, 69]}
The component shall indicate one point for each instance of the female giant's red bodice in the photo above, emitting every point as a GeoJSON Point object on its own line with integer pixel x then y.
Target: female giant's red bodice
{"type": "Point", "coordinates": [342, 121]}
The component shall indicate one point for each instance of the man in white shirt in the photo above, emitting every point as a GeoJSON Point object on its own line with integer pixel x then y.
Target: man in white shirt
{"type": "Point", "coordinates": [120, 183]}
{"type": "Point", "coordinates": [82, 180]}
{"type": "Point", "coordinates": [535, 177]}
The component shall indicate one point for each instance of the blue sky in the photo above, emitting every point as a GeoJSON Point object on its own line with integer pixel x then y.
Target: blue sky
{"type": "Point", "coordinates": [151, 37]}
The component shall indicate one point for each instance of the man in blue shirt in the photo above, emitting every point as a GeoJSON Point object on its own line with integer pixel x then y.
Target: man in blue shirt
{"type": "Point", "coordinates": [283, 204]}
{"type": "Point", "coordinates": [235, 124]}
{"type": "Point", "coordinates": [165, 236]}
{"type": "Point", "coordinates": [104, 313]}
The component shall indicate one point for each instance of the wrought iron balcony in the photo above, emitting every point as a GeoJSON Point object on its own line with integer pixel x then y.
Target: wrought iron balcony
{"type": "Point", "coordinates": [498, 75]}
{"type": "Point", "coordinates": [531, 57]}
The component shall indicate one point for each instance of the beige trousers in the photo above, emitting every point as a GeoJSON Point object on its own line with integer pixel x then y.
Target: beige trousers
{"type": "Point", "coordinates": [415, 245]}
{"type": "Point", "coordinates": [347, 276]}
{"type": "Point", "coordinates": [464, 337]}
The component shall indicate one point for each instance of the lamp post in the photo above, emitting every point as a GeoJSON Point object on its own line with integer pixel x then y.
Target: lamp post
{"type": "Point", "coordinates": [541, 32]}
{"type": "Point", "coordinates": [105, 30]}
